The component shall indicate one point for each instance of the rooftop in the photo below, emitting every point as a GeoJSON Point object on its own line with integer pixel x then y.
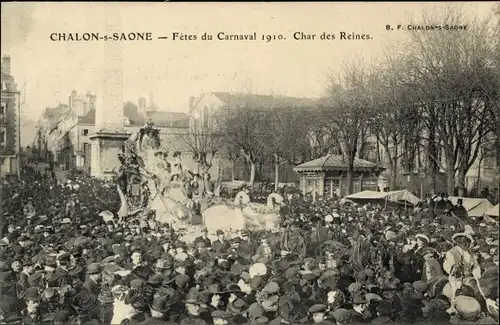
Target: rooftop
{"type": "Point", "coordinates": [267, 101]}
{"type": "Point", "coordinates": [335, 162]}
{"type": "Point", "coordinates": [159, 118]}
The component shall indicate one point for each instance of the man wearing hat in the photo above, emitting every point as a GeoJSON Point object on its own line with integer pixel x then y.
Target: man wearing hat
{"type": "Point", "coordinates": [138, 268]}
{"type": "Point", "coordinates": [92, 283]}
{"type": "Point", "coordinates": [196, 308]}
{"type": "Point", "coordinates": [221, 245]}
{"type": "Point", "coordinates": [61, 276]}
{"type": "Point", "coordinates": [158, 308]}
{"type": "Point", "coordinates": [360, 311]}
{"type": "Point", "coordinates": [460, 211]}
{"type": "Point", "coordinates": [318, 314]}
{"type": "Point", "coordinates": [220, 317]}
{"type": "Point", "coordinates": [203, 238]}
{"type": "Point", "coordinates": [31, 315]}
{"type": "Point", "coordinates": [246, 246]}
{"type": "Point", "coordinates": [22, 283]}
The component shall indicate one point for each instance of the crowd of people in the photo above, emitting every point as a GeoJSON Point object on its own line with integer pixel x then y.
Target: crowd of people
{"type": "Point", "coordinates": [62, 263]}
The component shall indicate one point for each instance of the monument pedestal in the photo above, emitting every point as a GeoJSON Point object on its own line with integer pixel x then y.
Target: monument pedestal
{"type": "Point", "coordinates": [105, 149]}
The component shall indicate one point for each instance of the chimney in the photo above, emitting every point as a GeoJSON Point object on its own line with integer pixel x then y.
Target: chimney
{"type": "Point", "coordinates": [92, 102]}
{"type": "Point", "coordinates": [6, 64]}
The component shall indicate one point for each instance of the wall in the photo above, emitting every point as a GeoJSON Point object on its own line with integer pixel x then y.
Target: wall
{"type": "Point", "coordinates": [10, 124]}
{"type": "Point", "coordinates": [8, 164]}
{"type": "Point", "coordinates": [82, 139]}
{"type": "Point", "coordinates": [205, 103]}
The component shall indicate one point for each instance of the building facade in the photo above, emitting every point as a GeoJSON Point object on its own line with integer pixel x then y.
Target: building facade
{"type": "Point", "coordinates": [69, 140]}
{"type": "Point", "coordinates": [327, 176]}
{"type": "Point", "coordinates": [9, 121]}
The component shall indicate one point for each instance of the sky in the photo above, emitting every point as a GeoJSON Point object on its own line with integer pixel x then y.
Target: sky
{"type": "Point", "coordinates": [175, 70]}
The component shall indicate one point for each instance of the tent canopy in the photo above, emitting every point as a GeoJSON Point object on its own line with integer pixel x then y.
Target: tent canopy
{"type": "Point", "coordinates": [401, 196]}
{"type": "Point", "coordinates": [475, 207]}
{"type": "Point", "coordinates": [493, 211]}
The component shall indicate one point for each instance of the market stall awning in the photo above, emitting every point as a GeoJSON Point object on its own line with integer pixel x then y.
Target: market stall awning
{"type": "Point", "coordinates": [475, 207]}
{"type": "Point", "coordinates": [493, 211]}
{"type": "Point", "coordinates": [336, 162]}
{"type": "Point", "coordinates": [400, 196]}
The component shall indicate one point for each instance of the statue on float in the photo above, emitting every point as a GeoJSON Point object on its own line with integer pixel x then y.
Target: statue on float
{"type": "Point", "coordinates": [135, 172]}
{"type": "Point", "coordinates": [146, 177]}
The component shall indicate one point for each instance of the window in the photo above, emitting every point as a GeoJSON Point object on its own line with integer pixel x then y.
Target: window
{"type": "Point", "coordinates": [3, 137]}
{"type": "Point", "coordinates": [85, 132]}
{"type": "Point", "coordinates": [331, 187]}
{"type": "Point", "coordinates": [3, 112]}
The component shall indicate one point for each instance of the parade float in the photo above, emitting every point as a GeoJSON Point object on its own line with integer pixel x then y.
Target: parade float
{"type": "Point", "coordinates": [243, 214]}
{"type": "Point", "coordinates": [144, 178]}
{"type": "Point", "coordinates": [148, 181]}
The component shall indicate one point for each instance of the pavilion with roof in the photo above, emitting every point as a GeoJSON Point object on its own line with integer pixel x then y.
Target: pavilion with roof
{"type": "Point", "coordinates": [327, 176]}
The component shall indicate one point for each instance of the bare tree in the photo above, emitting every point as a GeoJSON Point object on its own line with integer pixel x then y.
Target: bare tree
{"type": "Point", "coordinates": [449, 69]}
{"type": "Point", "coordinates": [392, 120]}
{"type": "Point", "coordinates": [245, 130]}
{"type": "Point", "coordinates": [204, 138]}
{"type": "Point", "coordinates": [233, 153]}
{"type": "Point", "coordinates": [286, 137]}
{"type": "Point", "coordinates": [347, 111]}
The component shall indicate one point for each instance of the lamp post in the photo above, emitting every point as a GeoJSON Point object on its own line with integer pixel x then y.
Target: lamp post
{"type": "Point", "coordinates": [18, 93]}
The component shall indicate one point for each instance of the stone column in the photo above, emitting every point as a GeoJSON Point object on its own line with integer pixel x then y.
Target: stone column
{"type": "Point", "coordinates": [110, 133]}
{"type": "Point", "coordinates": [303, 184]}
{"type": "Point", "coordinates": [321, 184]}
{"type": "Point", "coordinates": [314, 189]}
{"type": "Point", "coordinates": [109, 112]}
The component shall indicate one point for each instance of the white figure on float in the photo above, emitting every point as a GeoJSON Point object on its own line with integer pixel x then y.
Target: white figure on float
{"type": "Point", "coordinates": [274, 199]}
{"type": "Point", "coordinates": [176, 164]}
{"type": "Point", "coordinates": [242, 199]}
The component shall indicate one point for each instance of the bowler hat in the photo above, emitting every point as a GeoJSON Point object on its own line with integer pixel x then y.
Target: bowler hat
{"type": "Point", "coordinates": [159, 304]}
{"type": "Point", "coordinates": [359, 298]}
{"type": "Point", "coordinates": [342, 315]}
{"type": "Point", "coordinates": [182, 280]}
{"type": "Point", "coordinates": [318, 308]}
{"type": "Point", "coordinates": [32, 294]}
{"type": "Point", "coordinates": [136, 283]}
{"type": "Point", "coordinates": [49, 293]}
{"type": "Point", "coordinates": [238, 307]}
